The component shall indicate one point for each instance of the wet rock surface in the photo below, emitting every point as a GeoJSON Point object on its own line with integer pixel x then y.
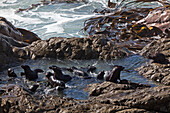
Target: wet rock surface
{"type": "Point", "coordinates": [18, 34]}
{"type": "Point", "coordinates": [159, 72]}
{"type": "Point", "coordinates": [6, 53]}
{"type": "Point", "coordinates": [74, 48]}
{"type": "Point", "coordinates": [11, 41]}
{"type": "Point", "coordinates": [111, 98]}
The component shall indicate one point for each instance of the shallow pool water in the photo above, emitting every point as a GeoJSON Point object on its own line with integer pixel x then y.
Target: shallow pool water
{"type": "Point", "coordinates": [77, 84]}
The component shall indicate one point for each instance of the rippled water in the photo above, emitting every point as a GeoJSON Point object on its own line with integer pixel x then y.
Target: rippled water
{"type": "Point", "coordinates": [53, 20]}
{"type": "Point", "coordinates": [64, 20]}
{"type": "Point", "coordinates": [76, 85]}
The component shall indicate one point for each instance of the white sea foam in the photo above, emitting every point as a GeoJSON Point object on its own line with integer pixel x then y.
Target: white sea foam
{"type": "Point", "coordinates": [59, 19]}
{"type": "Point", "coordinates": [10, 15]}
{"type": "Point", "coordinates": [50, 20]}
{"type": "Point", "coordinates": [10, 1]}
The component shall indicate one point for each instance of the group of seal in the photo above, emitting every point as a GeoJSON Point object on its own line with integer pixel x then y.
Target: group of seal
{"type": "Point", "coordinates": [31, 75]}
{"type": "Point", "coordinates": [58, 79]}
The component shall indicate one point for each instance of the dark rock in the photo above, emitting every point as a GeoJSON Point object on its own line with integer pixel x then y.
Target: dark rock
{"type": "Point", "coordinates": [159, 70]}
{"type": "Point", "coordinates": [28, 36]}
{"type": "Point", "coordinates": [18, 34]}
{"type": "Point", "coordinates": [74, 48]}
{"type": "Point", "coordinates": [6, 54]}
{"type": "Point", "coordinates": [112, 98]}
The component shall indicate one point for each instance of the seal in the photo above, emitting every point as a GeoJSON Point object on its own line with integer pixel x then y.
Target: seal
{"type": "Point", "coordinates": [34, 87]}
{"type": "Point", "coordinates": [30, 74]}
{"type": "Point", "coordinates": [78, 72]}
{"type": "Point", "coordinates": [158, 58]}
{"type": "Point", "coordinates": [54, 82]}
{"type": "Point", "coordinates": [114, 75]}
{"type": "Point", "coordinates": [59, 75]}
{"type": "Point", "coordinates": [11, 73]}
{"type": "Point", "coordinates": [100, 76]}
{"type": "Point", "coordinates": [89, 68]}
{"type": "Point", "coordinates": [111, 76]}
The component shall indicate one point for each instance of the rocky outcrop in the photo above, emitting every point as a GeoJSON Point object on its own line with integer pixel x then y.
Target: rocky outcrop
{"type": "Point", "coordinates": [159, 72]}
{"type": "Point", "coordinates": [7, 29]}
{"type": "Point", "coordinates": [10, 51]}
{"type": "Point", "coordinates": [74, 48]}
{"type": "Point", "coordinates": [6, 53]}
{"type": "Point", "coordinates": [11, 41]}
{"type": "Point", "coordinates": [113, 98]}
{"type": "Point", "coordinates": [122, 95]}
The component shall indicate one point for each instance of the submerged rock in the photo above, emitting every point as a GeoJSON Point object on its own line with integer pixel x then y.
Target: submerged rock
{"type": "Point", "coordinates": [158, 71]}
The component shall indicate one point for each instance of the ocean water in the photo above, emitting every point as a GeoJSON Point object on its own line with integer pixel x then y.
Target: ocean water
{"type": "Point", "coordinates": [64, 20]}
{"type": "Point", "coordinates": [60, 19]}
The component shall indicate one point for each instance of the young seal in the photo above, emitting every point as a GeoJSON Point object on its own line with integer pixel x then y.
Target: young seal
{"type": "Point", "coordinates": [30, 74]}
{"type": "Point", "coordinates": [53, 82]}
{"type": "Point", "coordinates": [111, 76]}
{"type": "Point", "coordinates": [34, 87]}
{"type": "Point", "coordinates": [114, 75]}
{"type": "Point", "coordinates": [89, 68]}
{"type": "Point", "coordinates": [11, 73]}
{"type": "Point", "coordinates": [59, 75]}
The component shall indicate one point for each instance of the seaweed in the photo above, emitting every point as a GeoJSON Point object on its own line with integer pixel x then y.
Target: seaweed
{"type": "Point", "coordinates": [118, 23]}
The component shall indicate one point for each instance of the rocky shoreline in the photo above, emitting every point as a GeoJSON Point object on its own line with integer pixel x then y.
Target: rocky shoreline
{"type": "Point", "coordinates": [104, 97]}
{"type": "Point", "coordinates": [156, 71]}
{"type": "Point", "coordinates": [111, 97]}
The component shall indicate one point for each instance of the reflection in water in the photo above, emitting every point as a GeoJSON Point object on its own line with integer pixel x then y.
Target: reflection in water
{"type": "Point", "coordinates": [76, 85]}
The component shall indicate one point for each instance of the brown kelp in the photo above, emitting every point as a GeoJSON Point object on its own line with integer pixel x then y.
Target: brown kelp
{"type": "Point", "coordinates": [120, 23]}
